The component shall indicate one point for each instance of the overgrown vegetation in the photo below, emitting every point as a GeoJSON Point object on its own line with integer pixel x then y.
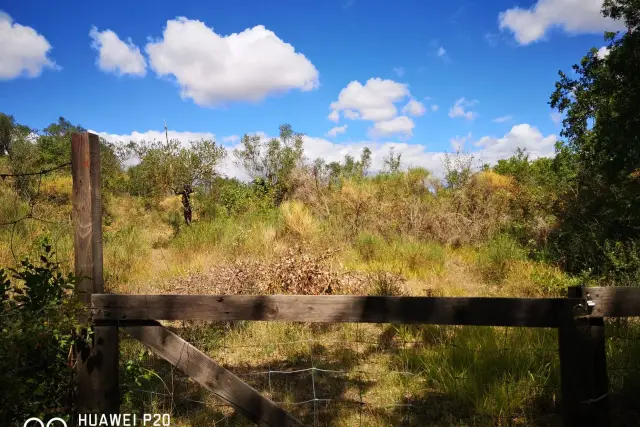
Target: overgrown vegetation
{"type": "Point", "coordinates": [522, 227]}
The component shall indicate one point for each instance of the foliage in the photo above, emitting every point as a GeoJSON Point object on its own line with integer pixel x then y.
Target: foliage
{"type": "Point", "coordinates": [37, 323]}
{"type": "Point", "coordinates": [392, 161]}
{"type": "Point", "coordinates": [496, 258]}
{"type": "Point", "coordinates": [602, 118]}
{"type": "Point", "coordinates": [10, 131]}
{"type": "Point", "coordinates": [272, 161]}
{"type": "Point", "coordinates": [167, 166]}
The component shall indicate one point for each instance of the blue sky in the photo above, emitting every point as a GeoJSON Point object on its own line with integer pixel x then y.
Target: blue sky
{"type": "Point", "coordinates": [422, 76]}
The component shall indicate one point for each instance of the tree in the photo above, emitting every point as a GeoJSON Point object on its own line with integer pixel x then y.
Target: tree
{"type": "Point", "coordinates": [272, 161]}
{"type": "Point", "coordinates": [392, 161]}
{"type": "Point", "coordinates": [10, 130]}
{"type": "Point", "coordinates": [166, 167]}
{"type": "Point", "coordinates": [602, 143]}
{"type": "Point", "coordinates": [55, 142]}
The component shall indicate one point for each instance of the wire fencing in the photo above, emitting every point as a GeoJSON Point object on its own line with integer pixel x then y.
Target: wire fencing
{"type": "Point", "coordinates": [33, 196]}
{"type": "Point", "coordinates": [364, 374]}
{"type": "Point", "coordinates": [623, 366]}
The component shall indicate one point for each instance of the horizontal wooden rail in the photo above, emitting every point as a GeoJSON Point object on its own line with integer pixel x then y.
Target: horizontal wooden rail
{"type": "Point", "coordinates": [528, 312]}
{"type": "Point", "coordinates": [614, 301]}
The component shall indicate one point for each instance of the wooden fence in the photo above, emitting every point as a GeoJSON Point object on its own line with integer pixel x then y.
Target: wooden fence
{"type": "Point", "coordinates": [578, 319]}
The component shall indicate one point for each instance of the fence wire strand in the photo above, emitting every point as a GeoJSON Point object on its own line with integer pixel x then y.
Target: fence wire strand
{"type": "Point", "coordinates": [318, 387]}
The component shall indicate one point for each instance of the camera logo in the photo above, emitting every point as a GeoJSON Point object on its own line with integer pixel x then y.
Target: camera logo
{"type": "Point", "coordinates": [37, 422]}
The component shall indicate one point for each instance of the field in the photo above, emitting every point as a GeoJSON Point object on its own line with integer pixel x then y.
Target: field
{"type": "Point", "coordinates": [349, 374]}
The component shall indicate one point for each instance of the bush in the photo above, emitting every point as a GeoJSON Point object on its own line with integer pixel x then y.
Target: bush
{"type": "Point", "coordinates": [37, 325]}
{"type": "Point", "coordinates": [369, 246]}
{"type": "Point", "coordinates": [298, 220]}
{"type": "Point", "coordinates": [495, 259]}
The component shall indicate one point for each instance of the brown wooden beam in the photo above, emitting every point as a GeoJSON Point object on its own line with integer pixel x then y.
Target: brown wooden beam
{"type": "Point", "coordinates": [212, 376]}
{"type": "Point", "coordinates": [614, 301]}
{"type": "Point", "coordinates": [529, 312]}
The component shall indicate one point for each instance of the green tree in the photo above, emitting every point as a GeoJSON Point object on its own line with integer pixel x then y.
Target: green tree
{"type": "Point", "coordinates": [54, 143]}
{"type": "Point", "coordinates": [601, 210]}
{"type": "Point", "coordinates": [167, 166]}
{"type": "Point", "coordinates": [272, 161]}
{"type": "Point", "coordinates": [10, 130]}
{"type": "Point", "coordinates": [392, 161]}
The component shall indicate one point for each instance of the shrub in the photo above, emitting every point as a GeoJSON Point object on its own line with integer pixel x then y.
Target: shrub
{"type": "Point", "coordinates": [495, 259]}
{"type": "Point", "coordinates": [36, 330]}
{"type": "Point", "coordinates": [384, 283]}
{"type": "Point", "coordinates": [298, 220]}
{"type": "Point", "coordinates": [369, 246]}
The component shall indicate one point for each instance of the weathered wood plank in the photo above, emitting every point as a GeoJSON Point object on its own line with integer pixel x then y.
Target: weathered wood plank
{"type": "Point", "coordinates": [583, 368]}
{"type": "Point", "coordinates": [531, 312]}
{"type": "Point", "coordinates": [210, 375]}
{"type": "Point", "coordinates": [81, 200]}
{"type": "Point", "coordinates": [614, 301]}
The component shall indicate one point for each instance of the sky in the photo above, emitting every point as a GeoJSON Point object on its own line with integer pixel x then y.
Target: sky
{"type": "Point", "coordinates": [424, 77]}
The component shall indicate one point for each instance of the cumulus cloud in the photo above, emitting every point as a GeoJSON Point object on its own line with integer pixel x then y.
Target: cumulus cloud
{"type": "Point", "coordinates": [414, 108]}
{"type": "Point", "coordinates": [572, 16]}
{"type": "Point", "coordinates": [212, 69]}
{"type": "Point", "coordinates": [459, 109]}
{"type": "Point", "coordinates": [116, 56]}
{"type": "Point", "coordinates": [603, 52]}
{"type": "Point", "coordinates": [485, 150]}
{"type": "Point", "coordinates": [231, 138]}
{"type": "Point", "coordinates": [502, 119]}
{"type": "Point", "coordinates": [398, 125]}
{"type": "Point", "coordinates": [23, 51]}
{"type": "Point", "coordinates": [491, 149]}
{"type": "Point", "coordinates": [337, 130]}
{"type": "Point", "coordinates": [374, 101]}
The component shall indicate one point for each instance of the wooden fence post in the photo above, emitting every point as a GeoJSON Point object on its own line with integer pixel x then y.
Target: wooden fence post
{"type": "Point", "coordinates": [583, 367]}
{"type": "Point", "coordinates": [97, 364]}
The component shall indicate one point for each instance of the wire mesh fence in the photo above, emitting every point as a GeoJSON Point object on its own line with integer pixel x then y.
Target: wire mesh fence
{"type": "Point", "coordinates": [29, 198]}
{"type": "Point", "coordinates": [623, 366]}
{"type": "Point", "coordinates": [373, 375]}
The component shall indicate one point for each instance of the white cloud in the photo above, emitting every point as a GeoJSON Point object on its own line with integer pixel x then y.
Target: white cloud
{"type": "Point", "coordinates": [334, 116]}
{"type": "Point", "coordinates": [116, 56]}
{"type": "Point", "coordinates": [351, 115]}
{"type": "Point", "coordinates": [434, 107]}
{"type": "Point", "coordinates": [374, 101]}
{"type": "Point", "coordinates": [502, 119]}
{"type": "Point", "coordinates": [524, 136]}
{"type": "Point", "coordinates": [414, 108]}
{"type": "Point", "coordinates": [441, 51]}
{"type": "Point", "coordinates": [155, 135]}
{"type": "Point", "coordinates": [337, 130]}
{"type": "Point", "coordinates": [399, 71]}
{"type": "Point", "coordinates": [231, 138]}
{"type": "Point", "coordinates": [603, 52]}
{"type": "Point", "coordinates": [458, 109]}
{"type": "Point", "coordinates": [23, 51]}
{"type": "Point", "coordinates": [487, 149]}
{"type": "Point", "coordinates": [212, 69]}
{"type": "Point", "coordinates": [459, 141]}
{"type": "Point", "coordinates": [572, 16]}
{"type": "Point", "coordinates": [556, 117]}
{"type": "Point", "coordinates": [398, 125]}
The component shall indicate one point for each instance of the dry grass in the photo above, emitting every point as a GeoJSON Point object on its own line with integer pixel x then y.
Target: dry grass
{"type": "Point", "coordinates": [367, 244]}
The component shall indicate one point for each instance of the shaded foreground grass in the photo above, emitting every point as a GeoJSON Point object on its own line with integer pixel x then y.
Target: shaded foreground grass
{"type": "Point", "coordinates": [379, 375]}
